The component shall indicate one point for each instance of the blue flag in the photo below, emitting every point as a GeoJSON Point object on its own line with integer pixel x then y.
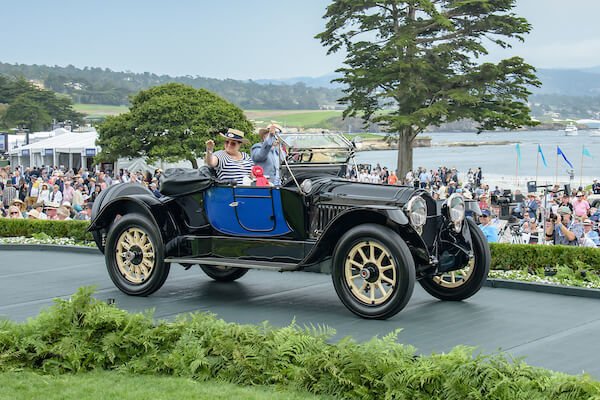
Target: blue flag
{"type": "Point", "coordinates": [560, 153]}
{"type": "Point", "coordinates": [586, 152]}
{"type": "Point", "coordinates": [542, 154]}
{"type": "Point", "coordinates": [518, 153]}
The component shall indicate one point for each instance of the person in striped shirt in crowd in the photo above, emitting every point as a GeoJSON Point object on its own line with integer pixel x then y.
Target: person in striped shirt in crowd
{"type": "Point", "coordinates": [230, 164]}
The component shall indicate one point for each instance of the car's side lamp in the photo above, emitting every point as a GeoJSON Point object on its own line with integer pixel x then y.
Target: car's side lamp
{"type": "Point", "coordinates": [306, 186]}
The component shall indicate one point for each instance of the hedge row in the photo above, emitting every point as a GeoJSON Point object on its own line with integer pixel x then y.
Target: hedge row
{"type": "Point", "coordinates": [507, 256]}
{"type": "Point", "coordinates": [55, 229]}
{"type": "Point", "coordinates": [504, 256]}
{"type": "Point", "coordinates": [84, 334]}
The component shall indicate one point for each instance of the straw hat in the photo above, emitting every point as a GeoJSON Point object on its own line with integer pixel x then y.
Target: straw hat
{"type": "Point", "coordinates": [67, 204]}
{"type": "Point", "coordinates": [236, 135]}
{"type": "Point", "coordinates": [63, 212]}
{"type": "Point", "coordinates": [272, 124]}
{"type": "Point", "coordinates": [33, 214]}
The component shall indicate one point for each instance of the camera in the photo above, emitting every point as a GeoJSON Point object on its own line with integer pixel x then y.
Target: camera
{"type": "Point", "coordinates": [552, 217]}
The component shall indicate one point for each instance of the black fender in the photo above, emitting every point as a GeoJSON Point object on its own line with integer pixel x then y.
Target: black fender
{"type": "Point", "coordinates": [141, 204]}
{"type": "Point", "coordinates": [145, 204]}
{"type": "Point", "coordinates": [393, 217]}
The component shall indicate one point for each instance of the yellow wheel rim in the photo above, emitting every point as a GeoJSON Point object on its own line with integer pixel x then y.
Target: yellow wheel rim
{"type": "Point", "coordinates": [135, 255]}
{"type": "Point", "coordinates": [370, 272]}
{"type": "Point", "coordinates": [454, 279]}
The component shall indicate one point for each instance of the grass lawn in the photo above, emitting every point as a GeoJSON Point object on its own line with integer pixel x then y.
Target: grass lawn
{"type": "Point", "coordinates": [99, 110]}
{"type": "Point", "coordinates": [292, 118]}
{"type": "Point", "coordinates": [288, 118]}
{"type": "Point", "coordinates": [120, 386]}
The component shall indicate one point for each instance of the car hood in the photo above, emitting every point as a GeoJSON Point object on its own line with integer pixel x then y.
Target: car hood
{"type": "Point", "coordinates": [345, 192]}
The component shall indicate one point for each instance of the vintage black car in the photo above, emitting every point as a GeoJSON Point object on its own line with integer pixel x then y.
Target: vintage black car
{"type": "Point", "coordinates": [374, 240]}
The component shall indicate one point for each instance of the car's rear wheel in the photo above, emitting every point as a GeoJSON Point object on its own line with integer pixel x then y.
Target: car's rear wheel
{"type": "Point", "coordinates": [373, 271]}
{"type": "Point", "coordinates": [465, 282]}
{"type": "Point", "coordinates": [134, 256]}
{"type": "Point", "coordinates": [224, 274]}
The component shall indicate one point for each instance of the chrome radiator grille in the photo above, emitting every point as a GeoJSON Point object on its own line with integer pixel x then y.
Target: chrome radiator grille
{"type": "Point", "coordinates": [321, 215]}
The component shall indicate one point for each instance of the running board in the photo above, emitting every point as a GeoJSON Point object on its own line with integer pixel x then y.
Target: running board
{"type": "Point", "coordinates": [236, 262]}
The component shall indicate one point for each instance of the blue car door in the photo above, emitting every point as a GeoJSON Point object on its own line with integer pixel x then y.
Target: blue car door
{"type": "Point", "coordinates": [246, 211]}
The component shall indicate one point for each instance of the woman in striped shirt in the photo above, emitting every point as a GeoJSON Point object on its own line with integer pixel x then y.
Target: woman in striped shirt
{"type": "Point", "coordinates": [230, 164]}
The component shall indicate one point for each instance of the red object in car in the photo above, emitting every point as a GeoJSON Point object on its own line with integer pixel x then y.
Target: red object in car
{"type": "Point", "coordinates": [258, 172]}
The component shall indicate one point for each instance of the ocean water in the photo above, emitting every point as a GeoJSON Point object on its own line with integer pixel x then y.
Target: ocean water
{"type": "Point", "coordinates": [499, 162]}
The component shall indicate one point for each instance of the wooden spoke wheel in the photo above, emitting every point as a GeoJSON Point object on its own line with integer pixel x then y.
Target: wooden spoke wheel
{"type": "Point", "coordinates": [465, 282]}
{"type": "Point", "coordinates": [370, 272]}
{"type": "Point", "coordinates": [373, 271]}
{"type": "Point", "coordinates": [134, 255]}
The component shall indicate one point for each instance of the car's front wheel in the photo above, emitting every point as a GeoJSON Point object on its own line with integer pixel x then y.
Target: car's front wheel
{"type": "Point", "coordinates": [465, 282]}
{"type": "Point", "coordinates": [134, 256]}
{"type": "Point", "coordinates": [224, 274]}
{"type": "Point", "coordinates": [373, 271]}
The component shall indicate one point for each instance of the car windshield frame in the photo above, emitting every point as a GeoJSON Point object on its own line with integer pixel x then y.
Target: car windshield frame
{"type": "Point", "coordinates": [330, 148]}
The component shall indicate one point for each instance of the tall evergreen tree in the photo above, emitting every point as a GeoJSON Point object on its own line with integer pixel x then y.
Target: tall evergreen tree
{"type": "Point", "coordinates": [417, 60]}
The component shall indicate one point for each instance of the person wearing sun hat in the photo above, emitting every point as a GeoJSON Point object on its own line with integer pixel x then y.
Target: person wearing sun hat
{"type": "Point", "coordinates": [531, 205]}
{"type": "Point", "coordinates": [230, 164]}
{"type": "Point", "coordinates": [266, 154]}
{"type": "Point", "coordinates": [44, 195]}
{"type": "Point", "coordinates": [33, 214]}
{"type": "Point", "coordinates": [590, 236]}
{"type": "Point", "coordinates": [580, 205]}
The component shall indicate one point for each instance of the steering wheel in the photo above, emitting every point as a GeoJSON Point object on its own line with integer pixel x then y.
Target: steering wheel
{"type": "Point", "coordinates": [306, 155]}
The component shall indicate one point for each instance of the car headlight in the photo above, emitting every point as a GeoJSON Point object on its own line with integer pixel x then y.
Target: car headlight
{"type": "Point", "coordinates": [417, 212]}
{"type": "Point", "coordinates": [306, 186]}
{"type": "Point", "coordinates": [456, 210]}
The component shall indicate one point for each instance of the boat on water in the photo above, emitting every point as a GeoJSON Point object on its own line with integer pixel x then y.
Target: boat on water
{"type": "Point", "coordinates": [571, 130]}
{"type": "Point", "coordinates": [595, 132]}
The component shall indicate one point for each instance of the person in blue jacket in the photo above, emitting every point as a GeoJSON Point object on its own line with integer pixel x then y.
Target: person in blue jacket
{"type": "Point", "coordinates": [487, 227]}
{"type": "Point", "coordinates": [266, 153]}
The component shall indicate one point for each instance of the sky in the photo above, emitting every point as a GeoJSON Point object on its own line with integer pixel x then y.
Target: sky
{"type": "Point", "coordinates": [242, 39]}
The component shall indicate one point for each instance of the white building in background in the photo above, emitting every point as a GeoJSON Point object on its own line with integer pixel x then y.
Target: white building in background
{"type": "Point", "coordinates": [71, 149]}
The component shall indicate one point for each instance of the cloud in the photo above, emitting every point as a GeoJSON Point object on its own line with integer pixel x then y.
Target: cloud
{"type": "Point", "coordinates": [563, 54]}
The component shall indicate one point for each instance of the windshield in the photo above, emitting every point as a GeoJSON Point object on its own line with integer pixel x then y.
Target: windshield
{"type": "Point", "coordinates": [316, 141]}
{"type": "Point", "coordinates": [316, 148]}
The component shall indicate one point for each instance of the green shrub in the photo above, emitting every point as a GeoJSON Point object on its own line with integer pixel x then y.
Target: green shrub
{"type": "Point", "coordinates": [507, 256]}
{"type": "Point", "coordinates": [54, 229]}
{"type": "Point", "coordinates": [84, 334]}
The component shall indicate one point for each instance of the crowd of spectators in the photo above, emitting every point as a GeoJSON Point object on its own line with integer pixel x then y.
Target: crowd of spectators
{"type": "Point", "coordinates": [553, 215]}
{"type": "Point", "coordinates": [57, 193]}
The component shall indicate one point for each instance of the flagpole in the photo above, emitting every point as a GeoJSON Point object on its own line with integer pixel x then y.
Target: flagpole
{"type": "Point", "coordinates": [581, 172]}
{"type": "Point", "coordinates": [537, 164]}
{"type": "Point", "coordinates": [517, 168]}
{"type": "Point", "coordinates": [556, 170]}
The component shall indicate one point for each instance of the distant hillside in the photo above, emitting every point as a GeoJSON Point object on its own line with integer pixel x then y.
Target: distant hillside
{"type": "Point", "coordinates": [323, 81]}
{"type": "Point", "coordinates": [565, 93]}
{"type": "Point", "coordinates": [566, 82]}
{"type": "Point", "coordinates": [569, 82]}
{"type": "Point", "coordinates": [104, 86]}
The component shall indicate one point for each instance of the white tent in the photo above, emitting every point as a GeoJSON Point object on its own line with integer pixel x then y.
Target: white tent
{"type": "Point", "coordinates": [71, 149]}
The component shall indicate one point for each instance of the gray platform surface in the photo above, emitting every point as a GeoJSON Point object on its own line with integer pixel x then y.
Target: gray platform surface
{"type": "Point", "coordinates": [558, 332]}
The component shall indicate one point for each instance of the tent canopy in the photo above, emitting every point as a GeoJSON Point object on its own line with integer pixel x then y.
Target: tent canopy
{"type": "Point", "coordinates": [69, 142]}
